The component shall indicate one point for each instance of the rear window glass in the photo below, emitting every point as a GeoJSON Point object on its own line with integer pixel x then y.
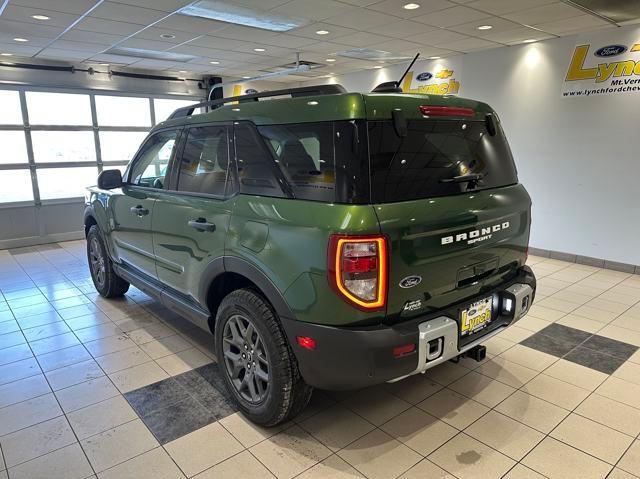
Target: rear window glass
{"type": "Point", "coordinates": [305, 154]}
{"type": "Point", "coordinates": [434, 151]}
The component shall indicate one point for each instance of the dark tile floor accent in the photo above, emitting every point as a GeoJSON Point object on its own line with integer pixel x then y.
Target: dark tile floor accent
{"type": "Point", "coordinates": [176, 406]}
{"type": "Point", "coordinates": [590, 350]}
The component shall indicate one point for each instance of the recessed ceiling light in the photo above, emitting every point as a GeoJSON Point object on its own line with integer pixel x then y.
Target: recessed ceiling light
{"type": "Point", "coordinates": [20, 40]}
{"type": "Point", "coordinates": [182, 71]}
{"type": "Point", "coordinates": [246, 78]}
{"type": "Point", "coordinates": [259, 49]}
{"type": "Point", "coordinates": [6, 54]}
{"type": "Point", "coordinates": [378, 66]}
{"type": "Point", "coordinates": [167, 36]}
{"type": "Point", "coordinates": [485, 27]}
{"type": "Point", "coordinates": [322, 32]}
{"type": "Point", "coordinates": [411, 6]}
{"type": "Point", "coordinates": [330, 60]}
{"type": "Point", "coordinates": [103, 64]}
{"type": "Point", "coordinates": [434, 58]}
{"type": "Point", "coordinates": [215, 62]}
{"type": "Point", "coordinates": [40, 17]}
{"type": "Point", "coordinates": [530, 40]}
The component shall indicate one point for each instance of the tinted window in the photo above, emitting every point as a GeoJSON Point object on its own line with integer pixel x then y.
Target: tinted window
{"type": "Point", "coordinates": [414, 167]}
{"type": "Point", "coordinates": [256, 168]}
{"type": "Point", "coordinates": [305, 154]}
{"type": "Point", "coordinates": [205, 160]}
{"type": "Point", "coordinates": [150, 168]}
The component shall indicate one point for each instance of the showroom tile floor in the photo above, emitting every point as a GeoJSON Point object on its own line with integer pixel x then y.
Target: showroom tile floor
{"type": "Point", "coordinates": [115, 389]}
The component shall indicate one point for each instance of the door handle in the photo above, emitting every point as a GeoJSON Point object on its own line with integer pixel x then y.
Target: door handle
{"type": "Point", "coordinates": [139, 210]}
{"type": "Point", "coordinates": [201, 224]}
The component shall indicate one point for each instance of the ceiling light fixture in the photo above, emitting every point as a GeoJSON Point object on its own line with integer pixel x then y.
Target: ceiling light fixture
{"type": "Point", "coordinates": [168, 36]}
{"type": "Point", "coordinates": [322, 32]}
{"type": "Point", "coordinates": [214, 62]}
{"type": "Point", "coordinates": [182, 71]}
{"type": "Point", "coordinates": [103, 64]}
{"type": "Point", "coordinates": [20, 40]}
{"type": "Point", "coordinates": [485, 27]}
{"type": "Point", "coordinates": [411, 6]}
{"type": "Point", "coordinates": [434, 58]}
{"type": "Point", "coordinates": [246, 78]}
{"type": "Point", "coordinates": [6, 54]}
{"type": "Point", "coordinates": [224, 11]}
{"type": "Point", "coordinates": [378, 66]}
{"type": "Point", "coordinates": [530, 40]}
{"type": "Point", "coordinates": [330, 60]}
{"type": "Point", "coordinates": [259, 49]}
{"type": "Point", "coordinates": [40, 17]}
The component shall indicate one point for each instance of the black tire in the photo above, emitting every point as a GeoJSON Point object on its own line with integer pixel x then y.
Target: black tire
{"type": "Point", "coordinates": [286, 394]}
{"type": "Point", "coordinates": [105, 279]}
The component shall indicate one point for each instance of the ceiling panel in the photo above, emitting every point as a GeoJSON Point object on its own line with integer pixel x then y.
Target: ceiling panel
{"type": "Point", "coordinates": [359, 19]}
{"type": "Point", "coordinates": [452, 16]}
{"type": "Point", "coordinates": [364, 39]}
{"type": "Point", "coordinates": [153, 33]}
{"type": "Point", "coordinates": [88, 48]}
{"type": "Point", "coordinates": [91, 24]}
{"type": "Point", "coordinates": [193, 25]}
{"type": "Point", "coordinates": [28, 30]}
{"type": "Point", "coordinates": [91, 37]}
{"type": "Point", "coordinates": [394, 7]}
{"type": "Point", "coordinates": [312, 9]}
{"type": "Point", "coordinates": [404, 29]}
{"type": "Point", "coordinates": [517, 35]}
{"type": "Point", "coordinates": [59, 54]}
{"type": "Point", "coordinates": [497, 24]}
{"type": "Point", "coordinates": [500, 7]}
{"type": "Point", "coordinates": [164, 5]}
{"type": "Point", "coordinates": [571, 25]}
{"type": "Point", "coordinates": [24, 14]}
{"type": "Point", "coordinates": [18, 49]}
{"type": "Point", "coordinates": [471, 44]}
{"type": "Point", "coordinates": [65, 6]}
{"type": "Point", "coordinates": [309, 31]}
{"type": "Point", "coordinates": [545, 13]}
{"type": "Point", "coordinates": [127, 13]}
{"type": "Point", "coordinates": [438, 37]}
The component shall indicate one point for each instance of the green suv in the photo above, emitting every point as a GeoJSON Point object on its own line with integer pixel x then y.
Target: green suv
{"type": "Point", "coordinates": [327, 239]}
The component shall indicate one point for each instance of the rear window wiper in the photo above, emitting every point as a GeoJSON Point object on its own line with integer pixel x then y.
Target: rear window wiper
{"type": "Point", "coordinates": [475, 178]}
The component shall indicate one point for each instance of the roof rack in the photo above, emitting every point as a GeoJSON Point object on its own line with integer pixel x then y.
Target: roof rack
{"type": "Point", "coordinates": [294, 92]}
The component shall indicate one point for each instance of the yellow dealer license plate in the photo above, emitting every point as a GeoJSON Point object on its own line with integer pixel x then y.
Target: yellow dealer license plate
{"type": "Point", "coordinates": [476, 317]}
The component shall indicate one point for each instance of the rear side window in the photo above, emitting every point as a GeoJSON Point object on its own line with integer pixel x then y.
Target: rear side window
{"type": "Point", "coordinates": [305, 154]}
{"type": "Point", "coordinates": [256, 169]}
{"type": "Point", "coordinates": [434, 151]}
{"type": "Point", "coordinates": [205, 161]}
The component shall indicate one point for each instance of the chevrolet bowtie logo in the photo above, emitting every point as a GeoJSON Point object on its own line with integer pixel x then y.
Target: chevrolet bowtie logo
{"type": "Point", "coordinates": [444, 73]}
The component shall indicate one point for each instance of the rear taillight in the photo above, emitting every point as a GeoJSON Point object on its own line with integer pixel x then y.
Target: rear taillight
{"type": "Point", "coordinates": [433, 110]}
{"type": "Point", "coordinates": [358, 269]}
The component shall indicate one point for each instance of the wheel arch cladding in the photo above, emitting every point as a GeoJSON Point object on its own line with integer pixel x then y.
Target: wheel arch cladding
{"type": "Point", "coordinates": [89, 220]}
{"type": "Point", "coordinates": [224, 275]}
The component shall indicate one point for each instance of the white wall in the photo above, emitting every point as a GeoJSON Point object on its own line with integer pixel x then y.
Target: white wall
{"type": "Point", "coordinates": [578, 157]}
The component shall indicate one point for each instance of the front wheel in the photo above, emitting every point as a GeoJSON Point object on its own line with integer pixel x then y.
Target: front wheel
{"type": "Point", "coordinates": [256, 362]}
{"type": "Point", "coordinates": [105, 279]}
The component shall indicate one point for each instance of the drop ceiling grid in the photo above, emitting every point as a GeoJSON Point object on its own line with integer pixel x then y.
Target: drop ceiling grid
{"type": "Point", "coordinates": [351, 23]}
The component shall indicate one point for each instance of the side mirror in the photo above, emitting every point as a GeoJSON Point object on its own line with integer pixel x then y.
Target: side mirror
{"type": "Point", "coordinates": [109, 179]}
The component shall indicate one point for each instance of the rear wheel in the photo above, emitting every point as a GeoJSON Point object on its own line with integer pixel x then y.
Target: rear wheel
{"type": "Point", "coordinates": [257, 364]}
{"type": "Point", "coordinates": [105, 279]}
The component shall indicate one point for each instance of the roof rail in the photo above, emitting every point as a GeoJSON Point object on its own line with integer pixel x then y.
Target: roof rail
{"type": "Point", "coordinates": [294, 92]}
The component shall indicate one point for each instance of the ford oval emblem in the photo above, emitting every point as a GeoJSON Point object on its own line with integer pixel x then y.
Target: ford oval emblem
{"type": "Point", "coordinates": [250, 91]}
{"type": "Point", "coordinates": [472, 312]}
{"type": "Point", "coordinates": [424, 76]}
{"type": "Point", "coordinates": [610, 51]}
{"type": "Point", "coordinates": [410, 281]}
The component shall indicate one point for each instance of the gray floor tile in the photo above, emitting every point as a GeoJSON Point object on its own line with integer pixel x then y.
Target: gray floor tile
{"type": "Point", "coordinates": [597, 360]}
{"type": "Point", "coordinates": [178, 419]}
{"type": "Point", "coordinates": [548, 344]}
{"type": "Point", "coordinates": [156, 396]}
{"type": "Point", "coordinates": [610, 347]}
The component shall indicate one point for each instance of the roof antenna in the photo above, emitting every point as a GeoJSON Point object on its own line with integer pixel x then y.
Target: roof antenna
{"type": "Point", "coordinates": [394, 86]}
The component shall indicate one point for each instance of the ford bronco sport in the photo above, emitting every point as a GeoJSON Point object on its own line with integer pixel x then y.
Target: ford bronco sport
{"type": "Point", "coordinates": [327, 239]}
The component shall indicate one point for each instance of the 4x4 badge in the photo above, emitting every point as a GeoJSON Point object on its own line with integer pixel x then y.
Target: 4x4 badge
{"type": "Point", "coordinates": [410, 281]}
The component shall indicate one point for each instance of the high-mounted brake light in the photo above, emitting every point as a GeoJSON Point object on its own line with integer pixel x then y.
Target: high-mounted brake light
{"type": "Point", "coordinates": [357, 269]}
{"type": "Point", "coordinates": [432, 110]}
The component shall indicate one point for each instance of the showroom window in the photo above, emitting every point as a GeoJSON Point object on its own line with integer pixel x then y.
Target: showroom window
{"type": "Point", "coordinates": [54, 143]}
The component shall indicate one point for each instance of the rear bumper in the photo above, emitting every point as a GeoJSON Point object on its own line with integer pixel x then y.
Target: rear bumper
{"type": "Point", "coordinates": [348, 358]}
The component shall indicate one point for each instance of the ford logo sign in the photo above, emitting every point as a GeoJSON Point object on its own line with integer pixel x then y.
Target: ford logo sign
{"type": "Point", "coordinates": [250, 91]}
{"type": "Point", "coordinates": [424, 76]}
{"type": "Point", "coordinates": [410, 281]}
{"type": "Point", "coordinates": [610, 51]}
{"type": "Point", "coordinates": [472, 312]}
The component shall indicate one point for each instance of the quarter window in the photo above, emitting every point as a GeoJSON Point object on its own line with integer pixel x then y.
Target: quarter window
{"type": "Point", "coordinates": [205, 161]}
{"type": "Point", "coordinates": [150, 168]}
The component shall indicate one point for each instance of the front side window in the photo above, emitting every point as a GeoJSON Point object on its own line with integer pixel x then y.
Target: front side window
{"type": "Point", "coordinates": [205, 161]}
{"type": "Point", "coordinates": [150, 168]}
{"type": "Point", "coordinates": [305, 154]}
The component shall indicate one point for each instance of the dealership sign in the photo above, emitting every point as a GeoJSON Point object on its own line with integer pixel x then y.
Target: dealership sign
{"type": "Point", "coordinates": [603, 68]}
{"type": "Point", "coordinates": [433, 78]}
